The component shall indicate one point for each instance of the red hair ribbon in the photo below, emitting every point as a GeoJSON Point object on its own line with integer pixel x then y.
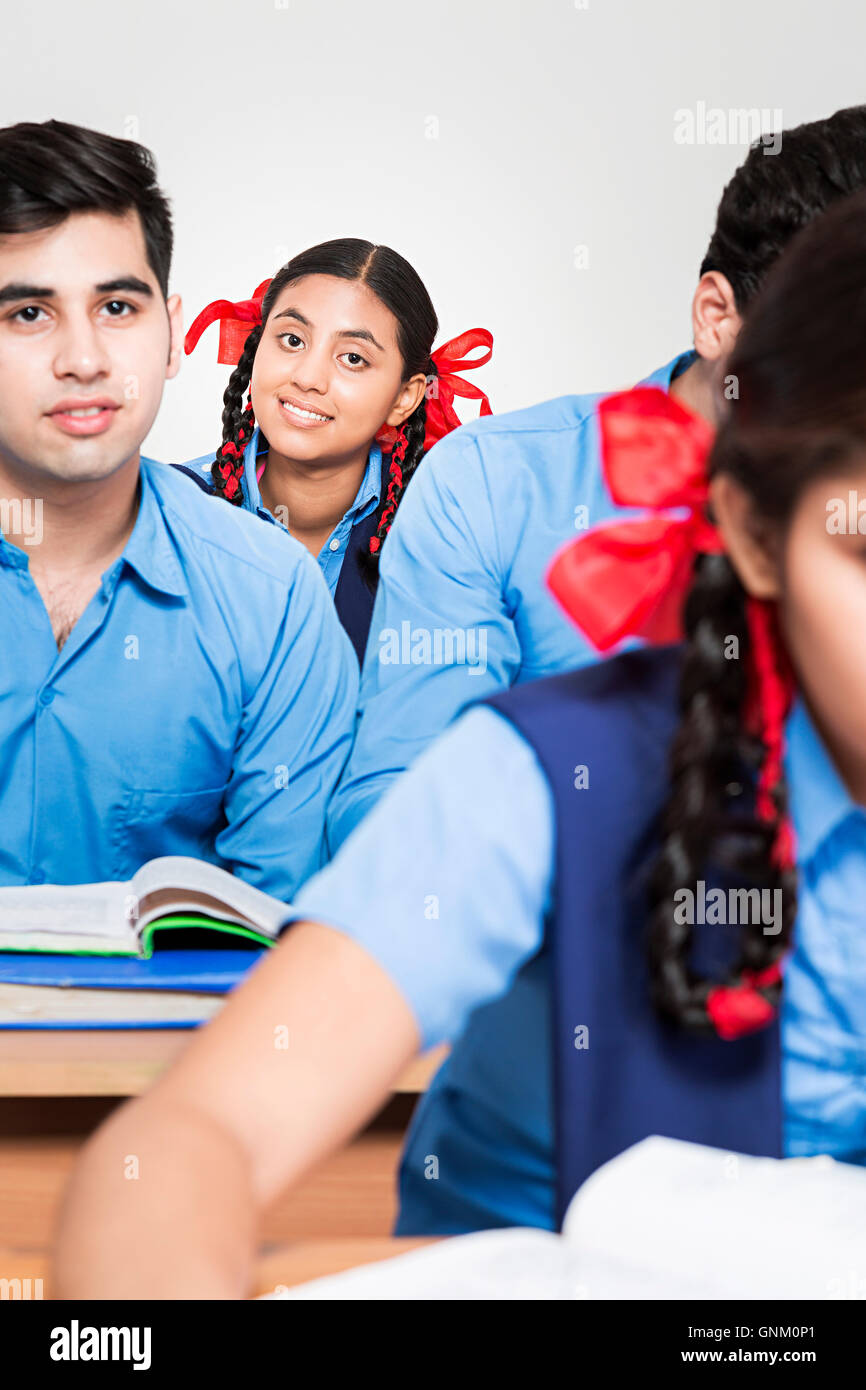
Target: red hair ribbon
{"type": "Point", "coordinates": [235, 321]}
{"type": "Point", "coordinates": [739, 1009]}
{"type": "Point", "coordinates": [771, 693]}
{"type": "Point", "coordinates": [631, 578]}
{"type": "Point", "coordinates": [449, 359]}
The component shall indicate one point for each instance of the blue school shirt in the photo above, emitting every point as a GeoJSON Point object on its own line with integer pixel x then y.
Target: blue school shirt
{"type": "Point", "coordinates": [338, 557]}
{"type": "Point", "coordinates": [462, 610]}
{"type": "Point", "coordinates": [458, 921]}
{"type": "Point", "coordinates": [201, 705]}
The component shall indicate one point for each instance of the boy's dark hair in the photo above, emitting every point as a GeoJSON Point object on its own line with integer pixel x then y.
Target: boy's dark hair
{"type": "Point", "coordinates": [771, 196]}
{"type": "Point", "coordinates": [52, 169]}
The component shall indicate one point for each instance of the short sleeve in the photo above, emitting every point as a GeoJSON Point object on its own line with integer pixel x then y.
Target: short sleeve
{"type": "Point", "coordinates": [447, 881]}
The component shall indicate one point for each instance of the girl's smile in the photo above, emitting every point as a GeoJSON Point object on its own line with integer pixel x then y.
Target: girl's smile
{"type": "Point", "coordinates": [304, 416]}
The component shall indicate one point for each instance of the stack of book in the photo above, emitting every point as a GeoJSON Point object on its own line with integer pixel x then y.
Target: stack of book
{"type": "Point", "coordinates": [161, 950]}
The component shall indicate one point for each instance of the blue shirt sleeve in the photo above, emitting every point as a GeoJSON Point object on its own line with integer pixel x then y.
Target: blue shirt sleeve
{"type": "Point", "coordinates": [295, 737]}
{"type": "Point", "coordinates": [439, 569]}
{"type": "Point", "coordinates": [448, 881]}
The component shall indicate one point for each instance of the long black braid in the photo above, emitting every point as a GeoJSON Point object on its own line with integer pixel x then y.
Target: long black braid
{"type": "Point", "coordinates": [712, 760]}
{"type": "Point", "coordinates": [404, 463]}
{"type": "Point", "coordinates": [227, 469]}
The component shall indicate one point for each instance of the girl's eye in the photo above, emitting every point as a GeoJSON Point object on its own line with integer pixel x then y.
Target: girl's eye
{"type": "Point", "coordinates": [289, 339]}
{"type": "Point", "coordinates": [359, 360]}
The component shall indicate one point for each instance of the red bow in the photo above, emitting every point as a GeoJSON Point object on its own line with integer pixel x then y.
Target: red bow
{"type": "Point", "coordinates": [235, 320]}
{"type": "Point", "coordinates": [449, 359]}
{"type": "Point", "coordinates": [630, 578]}
{"type": "Point", "coordinates": [738, 1009]}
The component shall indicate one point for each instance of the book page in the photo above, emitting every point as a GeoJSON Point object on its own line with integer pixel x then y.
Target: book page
{"type": "Point", "coordinates": [668, 1219]}
{"type": "Point", "coordinates": [664, 1220]}
{"type": "Point", "coordinates": [509, 1265]}
{"type": "Point", "coordinates": [24, 1006]}
{"type": "Point", "coordinates": [177, 883]}
{"type": "Point", "coordinates": [60, 915]}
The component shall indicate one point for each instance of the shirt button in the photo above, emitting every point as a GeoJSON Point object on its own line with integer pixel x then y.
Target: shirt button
{"type": "Point", "coordinates": [37, 876]}
{"type": "Point", "coordinates": [334, 545]}
{"type": "Point", "coordinates": [45, 697]}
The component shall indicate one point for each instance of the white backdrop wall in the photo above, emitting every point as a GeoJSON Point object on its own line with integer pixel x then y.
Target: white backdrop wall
{"type": "Point", "coordinates": [522, 155]}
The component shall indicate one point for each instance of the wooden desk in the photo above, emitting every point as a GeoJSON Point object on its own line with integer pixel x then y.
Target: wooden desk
{"type": "Point", "coordinates": [56, 1087]}
{"type": "Point", "coordinates": [123, 1062]}
{"type": "Point", "coordinates": [286, 1266]}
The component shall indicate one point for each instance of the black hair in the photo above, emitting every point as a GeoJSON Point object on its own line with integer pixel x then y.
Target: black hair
{"type": "Point", "coordinates": [52, 169]}
{"type": "Point", "coordinates": [401, 290]}
{"type": "Point", "coordinates": [772, 196]}
{"type": "Point", "coordinates": [800, 365]}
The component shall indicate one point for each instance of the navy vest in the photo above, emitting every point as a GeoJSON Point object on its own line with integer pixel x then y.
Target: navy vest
{"type": "Point", "coordinates": [635, 1074]}
{"type": "Point", "coordinates": [354, 597]}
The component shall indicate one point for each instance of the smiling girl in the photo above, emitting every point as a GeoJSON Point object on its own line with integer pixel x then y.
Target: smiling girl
{"type": "Point", "coordinates": [554, 830]}
{"type": "Point", "coordinates": [343, 399]}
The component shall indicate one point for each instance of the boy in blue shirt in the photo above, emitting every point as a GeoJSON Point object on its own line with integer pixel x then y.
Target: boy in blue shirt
{"type": "Point", "coordinates": [175, 680]}
{"type": "Point", "coordinates": [488, 507]}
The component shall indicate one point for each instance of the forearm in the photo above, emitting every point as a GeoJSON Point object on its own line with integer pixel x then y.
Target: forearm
{"type": "Point", "coordinates": [165, 1198]}
{"type": "Point", "coordinates": [182, 1218]}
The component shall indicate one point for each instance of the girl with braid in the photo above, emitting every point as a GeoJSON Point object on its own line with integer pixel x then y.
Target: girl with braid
{"type": "Point", "coordinates": [335, 397]}
{"type": "Point", "coordinates": [668, 846]}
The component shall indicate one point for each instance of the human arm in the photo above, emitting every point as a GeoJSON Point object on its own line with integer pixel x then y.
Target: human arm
{"type": "Point", "coordinates": [440, 574]}
{"type": "Point", "coordinates": [308, 1047]}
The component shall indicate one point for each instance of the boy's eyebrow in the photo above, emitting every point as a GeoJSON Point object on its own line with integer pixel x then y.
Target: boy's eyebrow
{"type": "Point", "coordinates": [130, 284]}
{"type": "Point", "coordinates": [18, 290]}
{"type": "Point", "coordinates": [363, 333]}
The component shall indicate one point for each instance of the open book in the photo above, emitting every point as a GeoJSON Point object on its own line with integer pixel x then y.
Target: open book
{"type": "Point", "coordinates": [664, 1220]}
{"type": "Point", "coordinates": [173, 893]}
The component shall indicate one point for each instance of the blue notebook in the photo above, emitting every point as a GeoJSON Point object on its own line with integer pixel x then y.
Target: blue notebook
{"type": "Point", "coordinates": [199, 971]}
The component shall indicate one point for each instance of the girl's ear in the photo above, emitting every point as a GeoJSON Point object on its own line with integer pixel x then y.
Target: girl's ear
{"type": "Point", "coordinates": [750, 541]}
{"type": "Point", "coordinates": [408, 400]}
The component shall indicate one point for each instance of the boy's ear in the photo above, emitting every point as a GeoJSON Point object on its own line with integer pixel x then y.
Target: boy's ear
{"type": "Point", "coordinates": [174, 306]}
{"type": "Point", "coordinates": [715, 318]}
{"type": "Point", "coordinates": [408, 400]}
{"type": "Point", "coordinates": [751, 543]}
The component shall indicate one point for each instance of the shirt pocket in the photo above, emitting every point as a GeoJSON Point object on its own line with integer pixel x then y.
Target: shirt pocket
{"type": "Point", "coordinates": [153, 823]}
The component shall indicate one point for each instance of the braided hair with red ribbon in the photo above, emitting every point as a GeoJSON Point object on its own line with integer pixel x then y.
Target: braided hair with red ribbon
{"type": "Point", "coordinates": [664, 577]}
{"type": "Point", "coordinates": [399, 287]}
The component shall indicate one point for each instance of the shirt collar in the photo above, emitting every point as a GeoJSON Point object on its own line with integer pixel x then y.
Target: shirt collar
{"type": "Point", "coordinates": [150, 550]}
{"type": "Point", "coordinates": [819, 801]}
{"type": "Point", "coordinates": [251, 482]}
{"type": "Point", "coordinates": [371, 484]}
{"type": "Point", "coordinates": [663, 376]}
{"type": "Point", "coordinates": [369, 491]}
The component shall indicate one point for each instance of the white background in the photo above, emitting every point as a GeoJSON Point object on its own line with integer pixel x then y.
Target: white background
{"type": "Point", "coordinates": [280, 123]}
